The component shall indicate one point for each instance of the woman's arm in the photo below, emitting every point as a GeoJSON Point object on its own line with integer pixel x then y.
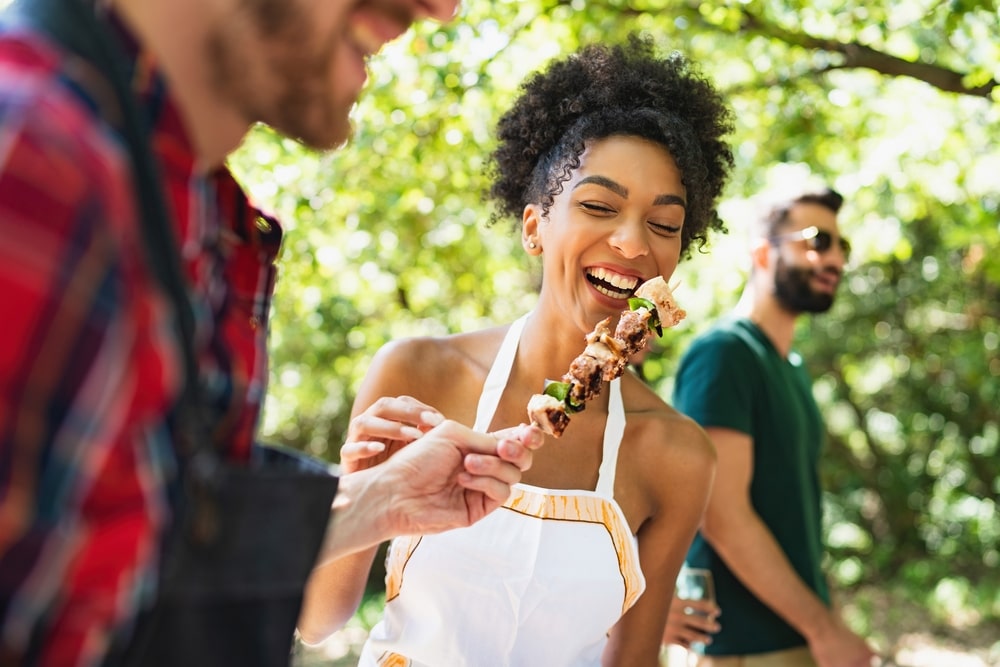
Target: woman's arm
{"type": "Point", "coordinates": [379, 426]}
{"type": "Point", "coordinates": [677, 467]}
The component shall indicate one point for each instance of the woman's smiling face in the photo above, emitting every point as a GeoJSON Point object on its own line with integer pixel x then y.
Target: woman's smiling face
{"type": "Point", "coordinates": [615, 223]}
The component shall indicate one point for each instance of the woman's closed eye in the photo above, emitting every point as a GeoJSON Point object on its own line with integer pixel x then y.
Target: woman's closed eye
{"type": "Point", "coordinates": [602, 210]}
{"type": "Point", "coordinates": [665, 228]}
{"type": "Point", "coordinates": [596, 208]}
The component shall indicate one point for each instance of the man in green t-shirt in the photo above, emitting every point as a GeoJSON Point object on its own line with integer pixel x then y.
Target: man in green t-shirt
{"type": "Point", "coordinates": [761, 535]}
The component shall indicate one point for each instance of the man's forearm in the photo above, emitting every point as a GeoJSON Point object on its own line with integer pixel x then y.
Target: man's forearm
{"type": "Point", "coordinates": [750, 551]}
{"type": "Point", "coordinates": [360, 517]}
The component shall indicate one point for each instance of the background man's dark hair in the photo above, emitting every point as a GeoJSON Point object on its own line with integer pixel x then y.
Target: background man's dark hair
{"type": "Point", "coordinates": [774, 220]}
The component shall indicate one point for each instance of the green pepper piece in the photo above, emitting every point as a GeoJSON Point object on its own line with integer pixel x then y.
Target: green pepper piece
{"type": "Point", "coordinates": [637, 302]}
{"type": "Point", "coordinates": [654, 324]}
{"type": "Point", "coordinates": [556, 389]}
{"type": "Point", "coordinates": [561, 391]}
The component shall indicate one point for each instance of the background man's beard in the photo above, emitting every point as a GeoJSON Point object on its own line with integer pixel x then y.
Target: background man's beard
{"type": "Point", "coordinates": [791, 288]}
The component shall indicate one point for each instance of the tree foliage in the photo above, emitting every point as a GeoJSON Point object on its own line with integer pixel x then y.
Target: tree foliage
{"type": "Point", "coordinates": [896, 105]}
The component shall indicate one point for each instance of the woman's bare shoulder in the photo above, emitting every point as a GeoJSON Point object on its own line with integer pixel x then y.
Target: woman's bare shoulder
{"type": "Point", "coordinates": [423, 364]}
{"type": "Point", "coordinates": [408, 350]}
{"type": "Point", "coordinates": [661, 431]}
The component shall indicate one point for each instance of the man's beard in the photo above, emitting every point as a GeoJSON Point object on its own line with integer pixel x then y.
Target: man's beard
{"type": "Point", "coordinates": [792, 289]}
{"type": "Point", "coordinates": [297, 68]}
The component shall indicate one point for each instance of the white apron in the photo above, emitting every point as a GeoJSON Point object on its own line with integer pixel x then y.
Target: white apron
{"type": "Point", "coordinates": [538, 582]}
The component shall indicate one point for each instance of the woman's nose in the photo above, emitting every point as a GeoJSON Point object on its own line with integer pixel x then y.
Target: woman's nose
{"type": "Point", "coordinates": [630, 241]}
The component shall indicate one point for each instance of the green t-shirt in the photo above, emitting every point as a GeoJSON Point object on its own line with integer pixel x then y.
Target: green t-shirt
{"type": "Point", "coordinates": [732, 377]}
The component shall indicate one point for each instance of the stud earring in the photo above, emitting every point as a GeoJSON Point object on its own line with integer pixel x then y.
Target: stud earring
{"type": "Point", "coordinates": [532, 245]}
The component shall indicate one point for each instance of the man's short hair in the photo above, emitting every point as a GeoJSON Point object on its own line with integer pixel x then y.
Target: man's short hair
{"type": "Point", "coordinates": [774, 219]}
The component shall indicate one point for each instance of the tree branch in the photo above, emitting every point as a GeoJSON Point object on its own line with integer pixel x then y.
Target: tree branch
{"type": "Point", "coordinates": [860, 56]}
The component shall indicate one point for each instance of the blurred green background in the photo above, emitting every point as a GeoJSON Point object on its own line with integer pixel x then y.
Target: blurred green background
{"type": "Point", "coordinates": [896, 105]}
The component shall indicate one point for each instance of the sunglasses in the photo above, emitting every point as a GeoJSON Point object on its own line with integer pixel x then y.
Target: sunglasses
{"type": "Point", "coordinates": [817, 239]}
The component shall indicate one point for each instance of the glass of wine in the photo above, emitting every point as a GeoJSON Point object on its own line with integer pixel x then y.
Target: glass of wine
{"type": "Point", "coordinates": [695, 584]}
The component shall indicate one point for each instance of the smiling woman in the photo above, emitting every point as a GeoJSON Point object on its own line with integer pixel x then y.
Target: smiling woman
{"type": "Point", "coordinates": [612, 160]}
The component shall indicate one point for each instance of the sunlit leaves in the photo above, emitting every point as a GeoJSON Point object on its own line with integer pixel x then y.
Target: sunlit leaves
{"type": "Point", "coordinates": [387, 237]}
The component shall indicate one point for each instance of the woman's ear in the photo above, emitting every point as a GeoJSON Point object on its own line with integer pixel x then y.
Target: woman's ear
{"type": "Point", "coordinates": [530, 225]}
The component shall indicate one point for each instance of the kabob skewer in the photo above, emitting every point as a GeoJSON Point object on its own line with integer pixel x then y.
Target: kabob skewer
{"type": "Point", "coordinates": [605, 356]}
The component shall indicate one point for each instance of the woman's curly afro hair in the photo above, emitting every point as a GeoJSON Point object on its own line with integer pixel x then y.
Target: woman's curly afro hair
{"type": "Point", "coordinates": [603, 91]}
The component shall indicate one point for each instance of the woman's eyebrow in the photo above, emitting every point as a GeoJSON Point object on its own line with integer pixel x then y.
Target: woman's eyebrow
{"type": "Point", "coordinates": [666, 200]}
{"type": "Point", "coordinates": [622, 191]}
{"type": "Point", "coordinates": [605, 182]}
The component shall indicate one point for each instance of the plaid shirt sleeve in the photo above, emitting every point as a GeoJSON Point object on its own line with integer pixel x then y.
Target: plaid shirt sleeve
{"type": "Point", "coordinates": [87, 369]}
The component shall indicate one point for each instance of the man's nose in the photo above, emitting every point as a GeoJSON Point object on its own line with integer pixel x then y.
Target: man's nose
{"type": "Point", "coordinates": [837, 256]}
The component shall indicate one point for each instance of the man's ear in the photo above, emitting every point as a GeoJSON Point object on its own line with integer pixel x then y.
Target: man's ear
{"type": "Point", "coordinates": [531, 219]}
{"type": "Point", "coordinates": [760, 254]}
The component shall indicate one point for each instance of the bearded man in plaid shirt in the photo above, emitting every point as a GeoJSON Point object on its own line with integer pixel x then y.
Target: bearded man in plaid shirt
{"type": "Point", "coordinates": [89, 361]}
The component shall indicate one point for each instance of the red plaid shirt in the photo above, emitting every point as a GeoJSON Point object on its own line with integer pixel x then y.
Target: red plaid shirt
{"type": "Point", "coordinates": [89, 364]}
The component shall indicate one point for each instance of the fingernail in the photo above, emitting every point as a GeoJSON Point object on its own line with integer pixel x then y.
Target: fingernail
{"type": "Point", "coordinates": [431, 418]}
{"type": "Point", "coordinates": [510, 448]}
{"type": "Point", "coordinates": [411, 432]}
